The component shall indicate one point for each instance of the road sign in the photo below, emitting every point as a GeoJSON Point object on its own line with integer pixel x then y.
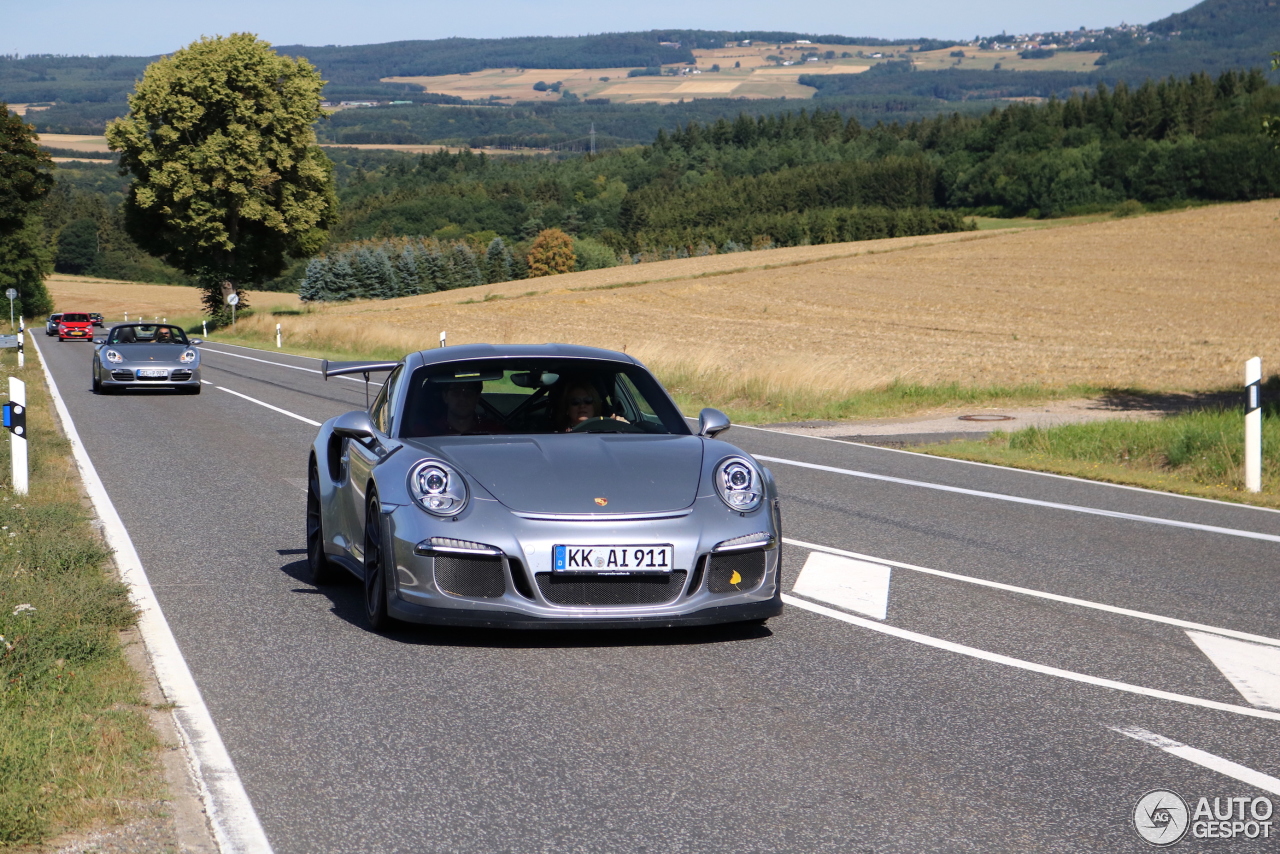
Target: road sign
{"type": "Point", "coordinates": [233, 299]}
{"type": "Point", "coordinates": [11, 293]}
{"type": "Point", "coordinates": [7, 341]}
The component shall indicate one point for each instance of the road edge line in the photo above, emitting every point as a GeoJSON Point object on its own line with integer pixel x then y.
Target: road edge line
{"type": "Point", "coordinates": [234, 821]}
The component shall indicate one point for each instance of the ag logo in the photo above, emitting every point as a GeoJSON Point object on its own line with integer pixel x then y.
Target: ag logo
{"type": "Point", "coordinates": [1161, 817]}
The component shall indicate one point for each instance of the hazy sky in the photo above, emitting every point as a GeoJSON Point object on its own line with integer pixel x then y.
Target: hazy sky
{"type": "Point", "coordinates": [146, 27]}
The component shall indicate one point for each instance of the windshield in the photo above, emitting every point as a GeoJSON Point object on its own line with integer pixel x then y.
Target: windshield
{"type": "Point", "coordinates": [75, 318]}
{"type": "Point", "coordinates": [536, 396]}
{"type": "Point", "coordinates": [147, 333]}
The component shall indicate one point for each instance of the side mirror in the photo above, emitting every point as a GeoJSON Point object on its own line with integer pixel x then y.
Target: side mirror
{"type": "Point", "coordinates": [197, 340]}
{"type": "Point", "coordinates": [712, 422]}
{"type": "Point", "coordinates": [99, 341]}
{"type": "Point", "coordinates": [354, 425]}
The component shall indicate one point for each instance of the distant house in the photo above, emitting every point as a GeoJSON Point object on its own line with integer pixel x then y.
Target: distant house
{"type": "Point", "coordinates": [675, 45]}
{"type": "Point", "coordinates": [803, 41]}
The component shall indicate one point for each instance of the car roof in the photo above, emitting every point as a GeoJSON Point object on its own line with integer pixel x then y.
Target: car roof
{"type": "Point", "coordinates": [470, 352]}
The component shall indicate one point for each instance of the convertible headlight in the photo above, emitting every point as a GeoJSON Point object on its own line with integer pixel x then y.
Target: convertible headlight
{"type": "Point", "coordinates": [113, 356]}
{"type": "Point", "coordinates": [738, 483]}
{"type": "Point", "coordinates": [438, 488]}
{"type": "Point", "coordinates": [187, 357]}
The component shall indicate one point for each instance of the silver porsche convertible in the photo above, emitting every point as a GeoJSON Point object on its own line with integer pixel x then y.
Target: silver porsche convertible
{"type": "Point", "coordinates": [547, 486]}
{"type": "Point", "coordinates": [146, 355]}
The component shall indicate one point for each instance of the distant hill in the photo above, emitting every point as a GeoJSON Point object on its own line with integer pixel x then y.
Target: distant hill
{"type": "Point", "coordinates": [1213, 36]}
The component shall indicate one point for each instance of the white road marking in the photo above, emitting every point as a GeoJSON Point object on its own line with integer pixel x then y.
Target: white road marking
{"type": "Point", "coordinates": [1204, 759]}
{"type": "Point", "coordinates": [1252, 668]}
{"type": "Point", "coordinates": [1008, 661]}
{"type": "Point", "coordinates": [269, 406]}
{"type": "Point", "coordinates": [1035, 502]}
{"type": "Point", "coordinates": [235, 823]}
{"type": "Point", "coordinates": [1026, 591]}
{"type": "Point", "coordinates": [856, 585]}
{"type": "Point", "coordinates": [282, 364]}
{"type": "Point", "coordinates": [1010, 469]}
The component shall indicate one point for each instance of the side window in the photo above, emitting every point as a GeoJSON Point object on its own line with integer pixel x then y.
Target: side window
{"type": "Point", "coordinates": [380, 413]}
{"type": "Point", "coordinates": [633, 404]}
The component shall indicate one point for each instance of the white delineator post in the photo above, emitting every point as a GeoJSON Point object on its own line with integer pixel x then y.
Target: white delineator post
{"type": "Point", "coordinates": [204, 327]}
{"type": "Point", "coordinates": [22, 356]}
{"type": "Point", "coordinates": [18, 435]}
{"type": "Point", "coordinates": [442, 339]}
{"type": "Point", "coordinates": [1253, 425]}
{"type": "Point", "coordinates": [277, 336]}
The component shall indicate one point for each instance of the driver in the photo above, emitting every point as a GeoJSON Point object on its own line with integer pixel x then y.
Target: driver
{"type": "Point", "coordinates": [164, 335]}
{"type": "Point", "coordinates": [579, 403]}
{"type": "Point", "coordinates": [460, 415]}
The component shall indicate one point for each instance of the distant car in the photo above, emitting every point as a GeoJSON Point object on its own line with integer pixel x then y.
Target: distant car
{"type": "Point", "coordinates": [75, 326]}
{"type": "Point", "coordinates": [146, 355]}
{"type": "Point", "coordinates": [51, 327]}
{"type": "Point", "coordinates": [95, 318]}
{"type": "Point", "coordinates": [546, 486]}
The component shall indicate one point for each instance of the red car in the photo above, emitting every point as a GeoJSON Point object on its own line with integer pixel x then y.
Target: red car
{"type": "Point", "coordinates": [74, 326]}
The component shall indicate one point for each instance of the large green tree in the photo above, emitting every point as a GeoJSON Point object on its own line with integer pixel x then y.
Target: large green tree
{"type": "Point", "coordinates": [24, 182]}
{"type": "Point", "coordinates": [228, 181]}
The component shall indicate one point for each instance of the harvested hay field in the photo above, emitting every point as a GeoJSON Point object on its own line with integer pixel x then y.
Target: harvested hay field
{"type": "Point", "coordinates": [113, 298]}
{"type": "Point", "coordinates": [1165, 301]}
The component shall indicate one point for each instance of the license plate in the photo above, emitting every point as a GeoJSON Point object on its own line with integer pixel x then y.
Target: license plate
{"type": "Point", "coordinates": [153, 372]}
{"type": "Point", "coordinates": [613, 560]}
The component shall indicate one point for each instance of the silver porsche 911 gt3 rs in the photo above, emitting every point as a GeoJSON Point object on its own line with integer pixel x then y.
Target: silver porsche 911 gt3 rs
{"type": "Point", "coordinates": [546, 486]}
{"type": "Point", "coordinates": [146, 355]}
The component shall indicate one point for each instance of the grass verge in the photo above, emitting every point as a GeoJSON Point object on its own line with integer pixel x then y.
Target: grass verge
{"type": "Point", "coordinates": [76, 746]}
{"type": "Point", "coordinates": [1197, 453]}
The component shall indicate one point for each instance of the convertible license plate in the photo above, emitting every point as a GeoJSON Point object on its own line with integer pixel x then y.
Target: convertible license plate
{"type": "Point", "coordinates": [613, 560]}
{"type": "Point", "coordinates": [153, 372]}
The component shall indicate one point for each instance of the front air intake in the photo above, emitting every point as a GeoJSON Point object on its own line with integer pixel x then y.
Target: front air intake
{"type": "Point", "coordinates": [604, 591]}
{"type": "Point", "coordinates": [473, 577]}
{"type": "Point", "coordinates": [735, 572]}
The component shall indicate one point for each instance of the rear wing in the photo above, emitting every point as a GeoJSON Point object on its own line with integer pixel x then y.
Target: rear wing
{"type": "Point", "coordinates": [337, 369]}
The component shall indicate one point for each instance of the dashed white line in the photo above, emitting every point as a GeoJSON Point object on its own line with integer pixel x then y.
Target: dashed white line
{"type": "Point", "coordinates": [302, 418]}
{"type": "Point", "coordinates": [1203, 758]}
{"type": "Point", "coordinates": [1068, 600]}
{"type": "Point", "coordinates": [1009, 661]}
{"type": "Point", "coordinates": [1035, 502]}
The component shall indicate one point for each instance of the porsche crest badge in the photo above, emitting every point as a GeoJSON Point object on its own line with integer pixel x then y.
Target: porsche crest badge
{"type": "Point", "coordinates": [602, 501]}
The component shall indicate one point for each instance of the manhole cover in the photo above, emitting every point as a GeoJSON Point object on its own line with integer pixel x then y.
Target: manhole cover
{"type": "Point", "coordinates": [986, 418]}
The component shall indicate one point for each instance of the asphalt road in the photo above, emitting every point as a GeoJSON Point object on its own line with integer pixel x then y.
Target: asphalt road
{"type": "Point", "coordinates": [810, 735]}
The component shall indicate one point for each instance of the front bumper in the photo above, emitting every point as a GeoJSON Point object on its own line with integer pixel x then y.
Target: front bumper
{"type": "Point", "coordinates": [126, 377]}
{"type": "Point", "coordinates": [522, 590]}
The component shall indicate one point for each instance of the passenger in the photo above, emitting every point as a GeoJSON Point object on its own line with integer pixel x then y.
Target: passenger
{"type": "Point", "coordinates": [461, 416]}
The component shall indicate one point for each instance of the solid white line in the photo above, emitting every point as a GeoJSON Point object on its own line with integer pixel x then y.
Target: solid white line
{"type": "Point", "coordinates": [1011, 469]}
{"type": "Point", "coordinates": [269, 406]}
{"type": "Point", "coordinates": [1257, 779]}
{"type": "Point", "coordinates": [1035, 502]}
{"type": "Point", "coordinates": [1019, 663]}
{"type": "Point", "coordinates": [1083, 603]}
{"type": "Point", "coordinates": [231, 815]}
{"type": "Point", "coordinates": [281, 364]}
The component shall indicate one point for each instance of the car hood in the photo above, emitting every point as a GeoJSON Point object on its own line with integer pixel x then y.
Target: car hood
{"type": "Point", "coordinates": [568, 473]}
{"type": "Point", "coordinates": [149, 352]}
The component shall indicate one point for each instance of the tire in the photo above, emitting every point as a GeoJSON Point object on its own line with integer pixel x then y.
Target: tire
{"type": "Point", "coordinates": [97, 384]}
{"type": "Point", "coordinates": [375, 571]}
{"type": "Point", "coordinates": [319, 570]}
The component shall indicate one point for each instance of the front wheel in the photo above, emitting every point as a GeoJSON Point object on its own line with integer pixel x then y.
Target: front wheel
{"type": "Point", "coordinates": [375, 572]}
{"type": "Point", "coordinates": [319, 570]}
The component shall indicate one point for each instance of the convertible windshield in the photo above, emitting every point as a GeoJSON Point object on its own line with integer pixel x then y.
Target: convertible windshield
{"type": "Point", "coordinates": [536, 396]}
{"type": "Point", "coordinates": [144, 333]}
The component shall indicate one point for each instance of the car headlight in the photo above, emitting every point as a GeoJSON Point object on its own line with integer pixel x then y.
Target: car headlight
{"type": "Point", "coordinates": [438, 488]}
{"type": "Point", "coordinates": [187, 357]}
{"type": "Point", "coordinates": [739, 484]}
{"type": "Point", "coordinates": [113, 356]}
